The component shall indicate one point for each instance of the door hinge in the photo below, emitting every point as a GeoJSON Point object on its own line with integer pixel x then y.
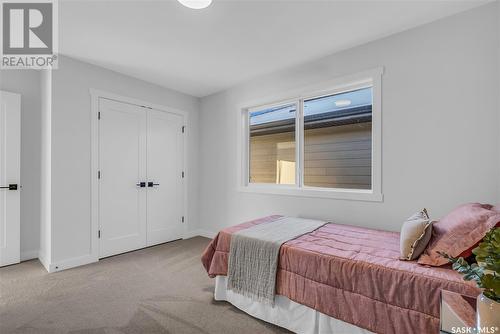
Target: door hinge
{"type": "Point", "coordinates": [183, 128]}
{"type": "Point", "coordinates": [99, 234]}
{"type": "Point", "coordinates": [99, 115]}
{"type": "Point", "coordinates": [99, 174]}
{"type": "Point", "coordinates": [182, 219]}
{"type": "Point", "coordinates": [182, 174]}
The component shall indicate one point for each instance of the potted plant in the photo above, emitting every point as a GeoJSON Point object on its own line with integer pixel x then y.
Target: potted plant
{"type": "Point", "coordinates": [486, 273]}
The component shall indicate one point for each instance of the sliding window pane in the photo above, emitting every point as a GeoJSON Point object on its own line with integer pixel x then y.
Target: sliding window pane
{"type": "Point", "coordinates": [272, 145]}
{"type": "Point", "coordinates": [338, 140]}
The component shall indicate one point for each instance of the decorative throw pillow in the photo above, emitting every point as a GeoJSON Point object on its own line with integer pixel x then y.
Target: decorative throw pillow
{"type": "Point", "coordinates": [457, 232]}
{"type": "Point", "coordinates": [415, 235]}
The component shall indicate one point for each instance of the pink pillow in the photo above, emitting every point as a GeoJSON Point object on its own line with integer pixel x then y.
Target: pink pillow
{"type": "Point", "coordinates": [458, 231]}
{"type": "Point", "coordinates": [468, 252]}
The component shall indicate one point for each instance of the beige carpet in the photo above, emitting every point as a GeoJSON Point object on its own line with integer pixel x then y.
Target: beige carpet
{"type": "Point", "coordinates": [163, 289]}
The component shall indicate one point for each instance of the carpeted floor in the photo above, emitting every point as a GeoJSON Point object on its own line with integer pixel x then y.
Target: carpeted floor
{"type": "Point", "coordinates": [163, 289]}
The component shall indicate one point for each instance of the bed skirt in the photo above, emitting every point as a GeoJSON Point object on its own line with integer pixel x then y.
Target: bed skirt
{"type": "Point", "coordinates": [286, 313]}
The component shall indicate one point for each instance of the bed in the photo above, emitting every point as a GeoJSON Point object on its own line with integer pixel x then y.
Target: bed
{"type": "Point", "coordinates": [349, 276]}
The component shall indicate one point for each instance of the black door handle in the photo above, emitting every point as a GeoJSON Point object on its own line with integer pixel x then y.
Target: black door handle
{"type": "Point", "coordinates": [141, 184]}
{"type": "Point", "coordinates": [10, 187]}
{"type": "Point", "coordinates": [151, 184]}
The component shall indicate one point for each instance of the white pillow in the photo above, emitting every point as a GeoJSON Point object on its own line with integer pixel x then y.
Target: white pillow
{"type": "Point", "coordinates": [415, 235]}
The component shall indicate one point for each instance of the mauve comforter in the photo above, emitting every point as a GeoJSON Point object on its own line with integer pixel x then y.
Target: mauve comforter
{"type": "Point", "coordinates": [353, 274]}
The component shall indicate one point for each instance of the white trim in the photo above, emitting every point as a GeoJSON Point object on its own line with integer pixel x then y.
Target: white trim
{"type": "Point", "coordinates": [70, 263]}
{"type": "Point", "coordinates": [130, 100]}
{"type": "Point", "coordinates": [45, 253]}
{"type": "Point", "coordinates": [377, 135]}
{"type": "Point", "coordinates": [332, 193]}
{"type": "Point", "coordinates": [371, 78]}
{"type": "Point", "coordinates": [299, 142]}
{"type": "Point", "coordinates": [94, 167]}
{"type": "Point", "coordinates": [44, 261]}
{"type": "Point", "coordinates": [185, 167]}
{"type": "Point", "coordinates": [200, 233]}
{"type": "Point", "coordinates": [95, 94]}
{"type": "Point", "coordinates": [244, 148]}
{"type": "Point", "coordinates": [29, 254]}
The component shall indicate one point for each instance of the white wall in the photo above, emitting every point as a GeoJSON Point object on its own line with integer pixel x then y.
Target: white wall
{"type": "Point", "coordinates": [440, 127]}
{"type": "Point", "coordinates": [26, 83]}
{"type": "Point", "coordinates": [71, 151]}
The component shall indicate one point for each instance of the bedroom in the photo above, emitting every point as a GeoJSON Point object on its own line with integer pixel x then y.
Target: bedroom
{"type": "Point", "coordinates": [356, 113]}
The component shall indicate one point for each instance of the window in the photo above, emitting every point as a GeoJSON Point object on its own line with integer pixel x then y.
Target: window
{"type": "Point", "coordinates": [272, 145]}
{"type": "Point", "coordinates": [338, 140]}
{"type": "Point", "coordinates": [324, 144]}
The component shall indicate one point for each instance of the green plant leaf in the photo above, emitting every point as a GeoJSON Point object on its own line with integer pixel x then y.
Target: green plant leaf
{"type": "Point", "coordinates": [486, 272]}
{"type": "Point", "coordinates": [488, 251]}
{"type": "Point", "coordinates": [491, 282]}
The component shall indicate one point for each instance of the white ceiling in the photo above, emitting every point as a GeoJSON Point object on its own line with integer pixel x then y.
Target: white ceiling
{"type": "Point", "coordinates": [200, 52]}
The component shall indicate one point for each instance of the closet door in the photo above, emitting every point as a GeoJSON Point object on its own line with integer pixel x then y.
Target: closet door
{"type": "Point", "coordinates": [165, 176]}
{"type": "Point", "coordinates": [10, 148]}
{"type": "Point", "coordinates": [122, 166]}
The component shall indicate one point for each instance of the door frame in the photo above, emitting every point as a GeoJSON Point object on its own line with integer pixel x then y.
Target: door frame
{"type": "Point", "coordinates": [95, 94]}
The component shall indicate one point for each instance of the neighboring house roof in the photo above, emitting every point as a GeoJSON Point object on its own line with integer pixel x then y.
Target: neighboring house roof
{"type": "Point", "coordinates": [334, 110]}
{"type": "Point", "coordinates": [347, 116]}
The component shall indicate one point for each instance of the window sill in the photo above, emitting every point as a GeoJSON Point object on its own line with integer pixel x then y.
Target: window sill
{"type": "Point", "coordinates": [343, 194]}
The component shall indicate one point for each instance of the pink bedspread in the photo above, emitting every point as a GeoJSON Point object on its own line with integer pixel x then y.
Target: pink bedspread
{"type": "Point", "coordinates": [354, 274]}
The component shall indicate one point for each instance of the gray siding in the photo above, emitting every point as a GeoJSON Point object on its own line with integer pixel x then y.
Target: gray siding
{"type": "Point", "coordinates": [335, 157]}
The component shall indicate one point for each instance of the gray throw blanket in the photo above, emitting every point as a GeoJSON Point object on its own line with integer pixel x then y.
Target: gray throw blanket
{"type": "Point", "coordinates": [253, 255]}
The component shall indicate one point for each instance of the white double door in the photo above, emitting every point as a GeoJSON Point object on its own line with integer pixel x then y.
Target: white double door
{"type": "Point", "coordinates": [10, 164]}
{"type": "Point", "coordinates": [141, 177]}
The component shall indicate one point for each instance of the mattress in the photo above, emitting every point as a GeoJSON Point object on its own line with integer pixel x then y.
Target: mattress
{"type": "Point", "coordinates": [353, 274]}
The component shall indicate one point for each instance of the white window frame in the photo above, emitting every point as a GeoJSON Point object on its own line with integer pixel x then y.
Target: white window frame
{"type": "Point", "coordinates": [371, 78]}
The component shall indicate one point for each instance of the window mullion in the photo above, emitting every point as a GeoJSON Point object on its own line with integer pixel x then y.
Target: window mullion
{"type": "Point", "coordinates": [247, 147]}
{"type": "Point", "coordinates": [300, 144]}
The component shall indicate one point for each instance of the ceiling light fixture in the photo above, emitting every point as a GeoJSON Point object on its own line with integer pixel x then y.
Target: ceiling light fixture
{"type": "Point", "coordinates": [343, 103]}
{"type": "Point", "coordinates": [196, 4]}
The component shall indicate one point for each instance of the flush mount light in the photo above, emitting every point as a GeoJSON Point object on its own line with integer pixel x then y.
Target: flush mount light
{"type": "Point", "coordinates": [196, 4]}
{"type": "Point", "coordinates": [343, 103]}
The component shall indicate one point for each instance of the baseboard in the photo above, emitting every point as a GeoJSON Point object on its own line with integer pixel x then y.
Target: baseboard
{"type": "Point", "coordinates": [44, 261]}
{"type": "Point", "coordinates": [71, 263]}
{"type": "Point", "coordinates": [29, 255]}
{"type": "Point", "coordinates": [207, 234]}
{"type": "Point", "coordinates": [200, 233]}
{"type": "Point", "coordinates": [89, 258]}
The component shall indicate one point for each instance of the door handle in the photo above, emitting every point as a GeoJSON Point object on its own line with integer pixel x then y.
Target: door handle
{"type": "Point", "coordinates": [10, 187]}
{"type": "Point", "coordinates": [141, 184]}
{"type": "Point", "coordinates": [151, 184]}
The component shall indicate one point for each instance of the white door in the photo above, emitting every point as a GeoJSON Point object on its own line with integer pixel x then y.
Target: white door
{"type": "Point", "coordinates": [122, 166]}
{"type": "Point", "coordinates": [10, 138]}
{"type": "Point", "coordinates": [141, 194]}
{"type": "Point", "coordinates": [165, 176]}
